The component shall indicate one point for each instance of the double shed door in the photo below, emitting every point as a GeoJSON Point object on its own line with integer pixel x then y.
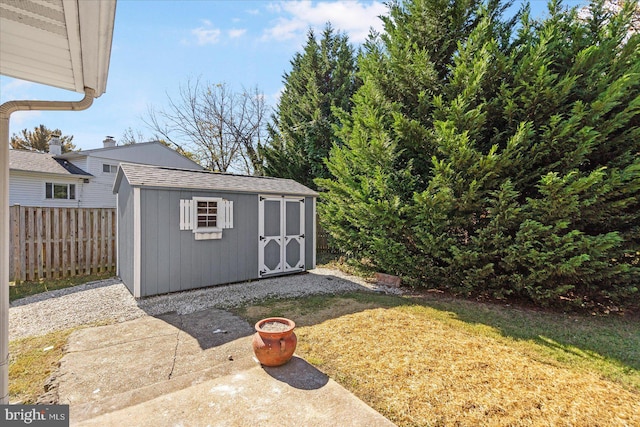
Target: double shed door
{"type": "Point", "coordinates": [281, 235]}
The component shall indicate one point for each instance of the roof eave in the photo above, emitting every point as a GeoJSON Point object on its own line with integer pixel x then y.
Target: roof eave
{"type": "Point", "coordinates": [52, 174]}
{"type": "Point", "coordinates": [96, 35]}
{"type": "Point", "coordinates": [64, 44]}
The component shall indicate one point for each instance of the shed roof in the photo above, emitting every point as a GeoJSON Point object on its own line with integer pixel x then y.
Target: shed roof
{"type": "Point", "coordinates": [164, 177]}
{"type": "Point", "coordinates": [32, 161]}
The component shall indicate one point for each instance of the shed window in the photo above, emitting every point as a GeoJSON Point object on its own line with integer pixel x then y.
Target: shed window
{"type": "Point", "coordinates": [60, 191]}
{"type": "Point", "coordinates": [206, 214]}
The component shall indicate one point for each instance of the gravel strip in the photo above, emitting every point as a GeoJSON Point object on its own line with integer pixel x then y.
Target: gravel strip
{"type": "Point", "coordinates": [110, 301]}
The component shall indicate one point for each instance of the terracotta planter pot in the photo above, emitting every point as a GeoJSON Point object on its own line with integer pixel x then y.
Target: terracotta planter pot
{"type": "Point", "coordinates": [274, 341]}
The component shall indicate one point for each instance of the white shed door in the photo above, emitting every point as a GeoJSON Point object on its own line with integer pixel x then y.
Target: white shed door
{"type": "Point", "coordinates": [281, 235]}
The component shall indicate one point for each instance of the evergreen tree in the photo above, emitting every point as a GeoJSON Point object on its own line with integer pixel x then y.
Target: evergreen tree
{"type": "Point", "coordinates": [38, 140]}
{"type": "Point", "coordinates": [511, 167]}
{"type": "Point", "coordinates": [322, 79]}
{"type": "Point", "coordinates": [404, 71]}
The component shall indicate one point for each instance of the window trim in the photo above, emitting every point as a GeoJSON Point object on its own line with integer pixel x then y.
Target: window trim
{"type": "Point", "coordinates": [219, 214]}
{"type": "Point", "coordinates": [112, 168]}
{"type": "Point", "coordinates": [71, 191]}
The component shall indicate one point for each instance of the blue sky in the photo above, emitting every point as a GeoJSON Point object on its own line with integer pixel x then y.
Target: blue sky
{"type": "Point", "coordinates": [160, 44]}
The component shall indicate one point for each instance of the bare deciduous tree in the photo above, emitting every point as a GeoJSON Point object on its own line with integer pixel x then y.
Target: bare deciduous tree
{"type": "Point", "coordinates": [221, 128]}
{"type": "Point", "coordinates": [614, 7]}
{"type": "Point", "coordinates": [617, 5]}
{"type": "Point", "coordinates": [131, 136]}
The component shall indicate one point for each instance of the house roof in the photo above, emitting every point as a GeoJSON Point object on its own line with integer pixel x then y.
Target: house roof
{"type": "Point", "coordinates": [61, 43]}
{"type": "Point", "coordinates": [106, 150]}
{"type": "Point", "coordinates": [164, 177]}
{"type": "Point", "coordinates": [32, 161]}
{"type": "Point", "coordinates": [117, 147]}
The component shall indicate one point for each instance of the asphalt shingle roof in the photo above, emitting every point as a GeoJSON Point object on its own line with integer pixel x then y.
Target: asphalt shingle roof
{"type": "Point", "coordinates": [164, 177]}
{"type": "Point", "coordinates": [33, 161]}
{"type": "Point", "coordinates": [114, 148]}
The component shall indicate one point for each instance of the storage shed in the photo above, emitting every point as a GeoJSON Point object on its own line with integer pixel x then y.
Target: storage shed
{"type": "Point", "coordinates": [182, 229]}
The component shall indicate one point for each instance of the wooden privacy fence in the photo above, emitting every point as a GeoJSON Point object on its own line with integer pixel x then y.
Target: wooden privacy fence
{"type": "Point", "coordinates": [323, 241]}
{"type": "Point", "coordinates": [48, 243]}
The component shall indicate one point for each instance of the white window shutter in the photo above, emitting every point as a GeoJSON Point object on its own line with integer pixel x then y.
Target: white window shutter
{"type": "Point", "coordinates": [186, 214]}
{"type": "Point", "coordinates": [228, 214]}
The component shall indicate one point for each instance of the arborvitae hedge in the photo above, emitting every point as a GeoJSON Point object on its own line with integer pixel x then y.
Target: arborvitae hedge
{"type": "Point", "coordinates": [506, 165]}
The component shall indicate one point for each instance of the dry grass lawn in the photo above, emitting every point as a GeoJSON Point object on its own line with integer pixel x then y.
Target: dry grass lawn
{"type": "Point", "coordinates": [421, 366]}
{"type": "Point", "coordinates": [31, 362]}
{"type": "Point", "coordinates": [440, 363]}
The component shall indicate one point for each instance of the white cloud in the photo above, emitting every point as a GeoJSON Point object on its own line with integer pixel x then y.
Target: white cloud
{"type": "Point", "coordinates": [274, 98]}
{"type": "Point", "coordinates": [354, 18]}
{"type": "Point", "coordinates": [237, 32]}
{"type": "Point", "coordinates": [206, 35]}
{"type": "Point", "coordinates": [21, 119]}
{"type": "Point", "coordinates": [14, 88]}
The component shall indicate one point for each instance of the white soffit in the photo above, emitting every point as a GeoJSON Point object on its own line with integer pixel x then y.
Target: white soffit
{"type": "Point", "coordinates": [61, 43]}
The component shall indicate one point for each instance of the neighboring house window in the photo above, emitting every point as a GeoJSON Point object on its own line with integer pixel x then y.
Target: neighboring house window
{"type": "Point", "coordinates": [60, 191]}
{"type": "Point", "coordinates": [107, 168]}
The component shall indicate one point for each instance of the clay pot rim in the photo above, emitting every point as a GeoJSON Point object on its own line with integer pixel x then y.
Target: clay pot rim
{"type": "Point", "coordinates": [283, 320]}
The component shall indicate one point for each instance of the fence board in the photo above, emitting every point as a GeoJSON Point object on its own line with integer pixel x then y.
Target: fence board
{"type": "Point", "coordinates": [60, 242]}
{"type": "Point", "coordinates": [96, 239]}
{"type": "Point", "coordinates": [87, 242]}
{"type": "Point", "coordinates": [49, 243]}
{"type": "Point", "coordinates": [73, 236]}
{"type": "Point", "coordinates": [64, 224]}
{"type": "Point", "coordinates": [103, 240]}
{"type": "Point", "coordinates": [31, 238]}
{"type": "Point", "coordinates": [111, 232]}
{"type": "Point", "coordinates": [323, 241]}
{"type": "Point", "coordinates": [14, 259]}
{"type": "Point", "coordinates": [54, 247]}
{"type": "Point", "coordinates": [23, 245]}
{"type": "Point", "coordinates": [80, 241]}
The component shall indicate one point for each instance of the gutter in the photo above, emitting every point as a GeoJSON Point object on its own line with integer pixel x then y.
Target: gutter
{"type": "Point", "coordinates": [6, 110]}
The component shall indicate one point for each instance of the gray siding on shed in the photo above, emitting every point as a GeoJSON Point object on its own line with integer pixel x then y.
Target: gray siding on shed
{"type": "Point", "coordinates": [172, 260]}
{"type": "Point", "coordinates": [125, 235]}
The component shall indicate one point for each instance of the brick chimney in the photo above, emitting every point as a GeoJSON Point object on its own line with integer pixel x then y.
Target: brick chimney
{"type": "Point", "coordinates": [55, 145]}
{"type": "Point", "coordinates": [109, 142]}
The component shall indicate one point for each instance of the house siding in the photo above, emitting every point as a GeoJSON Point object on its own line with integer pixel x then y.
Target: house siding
{"type": "Point", "coordinates": [99, 190]}
{"type": "Point", "coordinates": [172, 260]}
{"type": "Point", "coordinates": [80, 162]}
{"type": "Point", "coordinates": [27, 189]}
